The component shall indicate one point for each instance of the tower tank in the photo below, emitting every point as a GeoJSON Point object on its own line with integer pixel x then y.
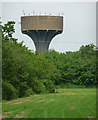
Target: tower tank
{"type": "Point", "coordinates": [41, 29]}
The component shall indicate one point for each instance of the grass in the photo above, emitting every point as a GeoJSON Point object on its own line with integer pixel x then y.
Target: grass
{"type": "Point", "coordinates": [65, 103]}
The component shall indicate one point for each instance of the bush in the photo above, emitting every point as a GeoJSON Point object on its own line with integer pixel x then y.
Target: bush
{"type": "Point", "coordinates": [43, 86]}
{"type": "Point", "coordinates": [50, 88]}
{"type": "Point", "coordinates": [69, 85]}
{"type": "Point", "coordinates": [38, 86]}
{"type": "Point", "coordinates": [8, 91]}
{"type": "Point", "coordinates": [29, 92]}
{"type": "Point", "coordinates": [22, 89]}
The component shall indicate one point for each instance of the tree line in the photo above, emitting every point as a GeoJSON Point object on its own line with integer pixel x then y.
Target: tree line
{"type": "Point", "coordinates": [25, 73]}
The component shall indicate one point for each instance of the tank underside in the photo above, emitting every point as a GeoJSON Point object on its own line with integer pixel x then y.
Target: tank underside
{"type": "Point", "coordinates": [42, 38]}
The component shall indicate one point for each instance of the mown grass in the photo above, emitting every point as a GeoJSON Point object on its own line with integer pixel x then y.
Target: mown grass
{"type": "Point", "coordinates": [65, 103]}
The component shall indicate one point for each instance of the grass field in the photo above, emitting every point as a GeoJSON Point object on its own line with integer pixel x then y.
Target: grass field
{"type": "Point", "coordinates": [65, 103]}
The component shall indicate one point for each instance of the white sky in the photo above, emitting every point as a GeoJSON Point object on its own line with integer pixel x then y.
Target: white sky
{"type": "Point", "coordinates": [79, 22]}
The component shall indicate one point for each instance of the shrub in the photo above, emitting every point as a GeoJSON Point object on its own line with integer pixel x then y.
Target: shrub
{"type": "Point", "coordinates": [22, 90]}
{"type": "Point", "coordinates": [38, 86]}
{"type": "Point", "coordinates": [50, 88]}
{"type": "Point", "coordinates": [8, 91]}
{"type": "Point", "coordinates": [29, 92]}
{"type": "Point", "coordinates": [43, 86]}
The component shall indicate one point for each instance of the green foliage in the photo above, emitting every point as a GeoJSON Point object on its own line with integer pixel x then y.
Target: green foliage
{"type": "Point", "coordinates": [30, 73]}
{"type": "Point", "coordinates": [8, 91]}
{"type": "Point", "coordinates": [25, 70]}
{"type": "Point", "coordinates": [49, 85]}
{"type": "Point", "coordinates": [97, 67]}
{"type": "Point", "coordinates": [8, 30]}
{"type": "Point", "coordinates": [76, 68]}
{"type": "Point", "coordinates": [38, 86]}
{"type": "Point", "coordinates": [22, 89]}
{"type": "Point", "coordinates": [29, 92]}
{"type": "Point", "coordinates": [88, 49]}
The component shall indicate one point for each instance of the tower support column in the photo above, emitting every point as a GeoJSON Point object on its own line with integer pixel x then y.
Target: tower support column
{"type": "Point", "coordinates": [41, 38]}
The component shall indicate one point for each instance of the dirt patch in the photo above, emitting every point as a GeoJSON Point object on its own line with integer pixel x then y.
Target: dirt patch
{"type": "Point", "coordinates": [25, 100]}
{"type": "Point", "coordinates": [62, 93]}
{"type": "Point", "coordinates": [40, 101]}
{"type": "Point", "coordinates": [20, 116]}
{"type": "Point", "coordinates": [70, 93]}
{"type": "Point", "coordinates": [4, 116]}
{"type": "Point", "coordinates": [6, 103]}
{"type": "Point", "coordinates": [23, 113]}
{"type": "Point", "coordinates": [14, 100]}
{"type": "Point", "coordinates": [52, 100]}
{"type": "Point", "coordinates": [0, 117]}
{"type": "Point", "coordinates": [18, 103]}
{"type": "Point", "coordinates": [72, 108]}
{"type": "Point", "coordinates": [8, 112]}
{"type": "Point", "coordinates": [90, 117]}
{"type": "Point", "coordinates": [28, 97]}
{"type": "Point", "coordinates": [65, 93]}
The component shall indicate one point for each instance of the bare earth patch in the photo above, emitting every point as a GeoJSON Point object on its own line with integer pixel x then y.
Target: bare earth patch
{"type": "Point", "coordinates": [29, 97]}
{"type": "Point", "coordinates": [65, 93]}
{"type": "Point", "coordinates": [25, 100]}
{"type": "Point", "coordinates": [4, 116]}
{"type": "Point", "coordinates": [72, 108]}
{"type": "Point", "coordinates": [62, 93]}
{"type": "Point", "coordinates": [90, 117]}
{"type": "Point", "coordinates": [0, 117]}
{"type": "Point", "coordinates": [7, 112]}
{"type": "Point", "coordinates": [23, 113]}
{"type": "Point", "coordinates": [40, 101]}
{"type": "Point", "coordinates": [20, 116]}
{"type": "Point", "coordinates": [18, 103]}
{"type": "Point", "coordinates": [70, 93]}
{"type": "Point", "coordinates": [14, 100]}
{"type": "Point", "coordinates": [51, 100]}
{"type": "Point", "coordinates": [6, 103]}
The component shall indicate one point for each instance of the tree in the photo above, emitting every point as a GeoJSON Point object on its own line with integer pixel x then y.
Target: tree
{"type": "Point", "coordinates": [88, 49]}
{"type": "Point", "coordinates": [8, 30]}
{"type": "Point", "coordinates": [23, 69]}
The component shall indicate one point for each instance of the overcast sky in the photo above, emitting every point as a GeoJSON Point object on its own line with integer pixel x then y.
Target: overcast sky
{"type": "Point", "coordinates": [79, 24]}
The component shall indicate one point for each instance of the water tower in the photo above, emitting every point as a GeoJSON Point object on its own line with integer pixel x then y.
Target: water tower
{"type": "Point", "coordinates": [41, 29]}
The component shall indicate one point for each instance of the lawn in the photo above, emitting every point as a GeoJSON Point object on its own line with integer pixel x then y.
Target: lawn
{"type": "Point", "coordinates": [65, 103]}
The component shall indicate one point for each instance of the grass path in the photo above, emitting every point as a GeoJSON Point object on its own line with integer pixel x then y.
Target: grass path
{"type": "Point", "coordinates": [66, 103]}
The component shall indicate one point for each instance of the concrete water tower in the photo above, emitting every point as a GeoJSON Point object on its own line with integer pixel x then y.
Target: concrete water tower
{"type": "Point", "coordinates": [41, 29]}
